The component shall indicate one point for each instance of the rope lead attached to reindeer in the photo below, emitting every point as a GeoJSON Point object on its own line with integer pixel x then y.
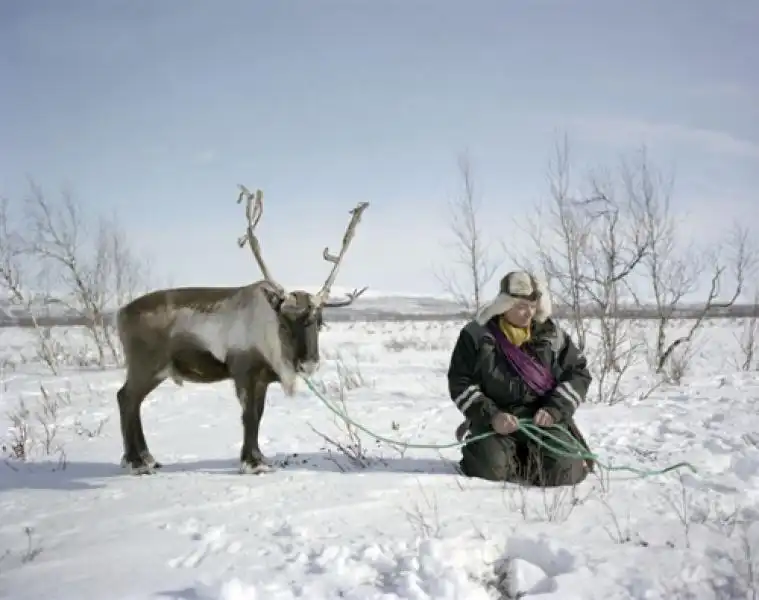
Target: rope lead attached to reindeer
{"type": "Point", "coordinates": [539, 435]}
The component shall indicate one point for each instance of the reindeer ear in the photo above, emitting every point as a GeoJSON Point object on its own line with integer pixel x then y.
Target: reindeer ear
{"type": "Point", "coordinates": [273, 298]}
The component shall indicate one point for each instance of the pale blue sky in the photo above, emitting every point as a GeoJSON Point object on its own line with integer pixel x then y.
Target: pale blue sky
{"type": "Point", "coordinates": [158, 109]}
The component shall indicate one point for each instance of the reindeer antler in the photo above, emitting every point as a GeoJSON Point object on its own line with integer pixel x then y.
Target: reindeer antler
{"type": "Point", "coordinates": [323, 294]}
{"type": "Point", "coordinates": [254, 208]}
{"type": "Point", "coordinates": [349, 298]}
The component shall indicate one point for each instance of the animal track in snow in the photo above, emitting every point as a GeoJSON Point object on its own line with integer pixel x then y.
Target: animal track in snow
{"type": "Point", "coordinates": [212, 540]}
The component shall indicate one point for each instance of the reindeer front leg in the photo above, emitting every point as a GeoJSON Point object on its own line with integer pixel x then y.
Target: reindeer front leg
{"type": "Point", "coordinates": [251, 391]}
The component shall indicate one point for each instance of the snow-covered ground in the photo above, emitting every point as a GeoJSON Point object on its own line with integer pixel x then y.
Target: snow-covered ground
{"type": "Point", "coordinates": [372, 521]}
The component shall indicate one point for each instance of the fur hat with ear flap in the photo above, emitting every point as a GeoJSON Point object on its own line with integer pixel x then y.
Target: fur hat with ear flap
{"type": "Point", "coordinates": [516, 286]}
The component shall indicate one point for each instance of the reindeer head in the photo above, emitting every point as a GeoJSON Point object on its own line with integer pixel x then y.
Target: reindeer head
{"type": "Point", "coordinates": [299, 312]}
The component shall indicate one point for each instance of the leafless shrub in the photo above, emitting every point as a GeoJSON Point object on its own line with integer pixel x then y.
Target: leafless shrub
{"type": "Point", "coordinates": [49, 350]}
{"type": "Point", "coordinates": [33, 548]}
{"type": "Point", "coordinates": [681, 504]}
{"type": "Point", "coordinates": [718, 515]}
{"type": "Point", "coordinates": [618, 532]}
{"type": "Point", "coordinates": [559, 503]}
{"type": "Point", "coordinates": [88, 432]}
{"type": "Point", "coordinates": [469, 246]}
{"type": "Point", "coordinates": [738, 575]}
{"type": "Point", "coordinates": [516, 499]}
{"type": "Point", "coordinates": [50, 404]}
{"type": "Point", "coordinates": [555, 506]}
{"type": "Point", "coordinates": [350, 444]}
{"type": "Point", "coordinates": [603, 475]}
{"type": "Point", "coordinates": [349, 377]}
{"type": "Point", "coordinates": [31, 551]}
{"type": "Point", "coordinates": [35, 431]}
{"type": "Point", "coordinates": [704, 509]}
{"type": "Point", "coordinates": [679, 363]}
{"type": "Point", "coordinates": [418, 516]}
{"type": "Point", "coordinates": [19, 434]}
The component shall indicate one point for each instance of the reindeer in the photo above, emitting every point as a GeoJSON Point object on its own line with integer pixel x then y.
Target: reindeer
{"type": "Point", "coordinates": [255, 335]}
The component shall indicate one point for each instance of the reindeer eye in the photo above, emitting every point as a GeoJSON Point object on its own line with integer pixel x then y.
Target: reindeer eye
{"type": "Point", "coordinates": [309, 319]}
{"type": "Point", "coordinates": [313, 318]}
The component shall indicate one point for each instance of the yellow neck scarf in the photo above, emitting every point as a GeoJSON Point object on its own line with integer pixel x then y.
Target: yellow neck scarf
{"type": "Point", "coordinates": [516, 335]}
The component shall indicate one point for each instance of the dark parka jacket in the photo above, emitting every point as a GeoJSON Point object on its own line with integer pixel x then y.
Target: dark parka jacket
{"type": "Point", "coordinates": [482, 382]}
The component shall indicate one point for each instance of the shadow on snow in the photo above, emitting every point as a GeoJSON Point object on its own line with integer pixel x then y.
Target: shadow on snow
{"type": "Point", "coordinates": [80, 475]}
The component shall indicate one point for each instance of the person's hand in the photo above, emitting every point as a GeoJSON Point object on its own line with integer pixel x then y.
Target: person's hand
{"type": "Point", "coordinates": [504, 423]}
{"type": "Point", "coordinates": [543, 418]}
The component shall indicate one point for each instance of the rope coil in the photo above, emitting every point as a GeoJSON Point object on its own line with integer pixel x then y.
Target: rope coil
{"type": "Point", "coordinates": [540, 435]}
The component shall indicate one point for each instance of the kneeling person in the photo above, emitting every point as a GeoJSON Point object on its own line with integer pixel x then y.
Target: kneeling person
{"type": "Point", "coordinates": [513, 362]}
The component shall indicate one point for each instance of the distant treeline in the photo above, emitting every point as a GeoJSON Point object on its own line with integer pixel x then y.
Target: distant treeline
{"type": "Point", "coordinates": [737, 311]}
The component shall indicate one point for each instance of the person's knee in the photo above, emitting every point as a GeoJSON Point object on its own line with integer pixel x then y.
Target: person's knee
{"type": "Point", "coordinates": [492, 459]}
{"type": "Point", "coordinates": [578, 473]}
{"type": "Point", "coordinates": [563, 473]}
{"type": "Point", "coordinates": [560, 469]}
{"type": "Point", "coordinates": [496, 470]}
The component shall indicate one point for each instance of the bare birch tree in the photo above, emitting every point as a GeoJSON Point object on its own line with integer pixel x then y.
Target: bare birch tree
{"type": "Point", "coordinates": [674, 272]}
{"type": "Point", "coordinates": [470, 248]}
{"type": "Point", "coordinates": [588, 242]}
{"type": "Point", "coordinates": [748, 338]}
{"type": "Point", "coordinates": [616, 246]}
{"type": "Point", "coordinates": [11, 253]}
{"type": "Point", "coordinates": [559, 232]}
{"type": "Point", "coordinates": [91, 271]}
{"type": "Point", "coordinates": [16, 285]}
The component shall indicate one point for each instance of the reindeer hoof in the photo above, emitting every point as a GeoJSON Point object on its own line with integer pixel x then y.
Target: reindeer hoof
{"type": "Point", "coordinates": [145, 465]}
{"type": "Point", "coordinates": [148, 459]}
{"type": "Point", "coordinates": [140, 468]}
{"type": "Point", "coordinates": [255, 468]}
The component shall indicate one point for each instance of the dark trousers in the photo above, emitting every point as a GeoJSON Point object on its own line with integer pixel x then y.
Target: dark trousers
{"type": "Point", "coordinates": [516, 458]}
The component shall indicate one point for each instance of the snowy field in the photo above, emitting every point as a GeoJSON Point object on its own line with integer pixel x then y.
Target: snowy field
{"type": "Point", "coordinates": [346, 517]}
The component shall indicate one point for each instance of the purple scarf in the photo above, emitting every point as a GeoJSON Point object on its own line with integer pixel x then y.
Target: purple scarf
{"type": "Point", "coordinates": [535, 374]}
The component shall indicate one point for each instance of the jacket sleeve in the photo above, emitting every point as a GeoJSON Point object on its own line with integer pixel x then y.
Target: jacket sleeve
{"type": "Point", "coordinates": [463, 382]}
{"type": "Point", "coordinates": [573, 381]}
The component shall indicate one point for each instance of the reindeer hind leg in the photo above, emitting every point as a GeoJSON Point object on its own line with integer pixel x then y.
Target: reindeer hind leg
{"type": "Point", "coordinates": [137, 456]}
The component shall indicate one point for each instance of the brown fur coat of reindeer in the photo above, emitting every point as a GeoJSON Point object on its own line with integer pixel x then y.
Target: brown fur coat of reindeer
{"type": "Point", "coordinates": [255, 335]}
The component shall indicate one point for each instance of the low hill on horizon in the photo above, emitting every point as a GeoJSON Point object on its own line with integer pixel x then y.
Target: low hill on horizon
{"type": "Point", "coordinates": [373, 305]}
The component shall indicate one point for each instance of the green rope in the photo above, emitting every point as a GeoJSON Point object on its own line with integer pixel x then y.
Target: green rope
{"type": "Point", "coordinates": [540, 435]}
